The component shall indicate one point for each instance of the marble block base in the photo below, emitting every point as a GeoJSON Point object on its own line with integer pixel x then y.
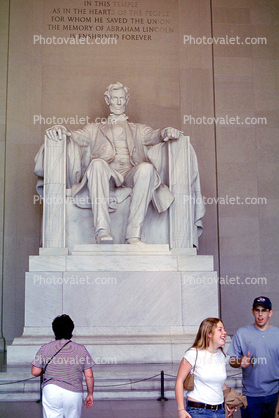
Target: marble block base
{"type": "Point", "coordinates": [120, 257]}
{"type": "Point", "coordinates": [128, 304]}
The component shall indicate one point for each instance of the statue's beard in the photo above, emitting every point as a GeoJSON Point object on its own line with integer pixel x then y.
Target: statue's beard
{"type": "Point", "coordinates": [117, 111]}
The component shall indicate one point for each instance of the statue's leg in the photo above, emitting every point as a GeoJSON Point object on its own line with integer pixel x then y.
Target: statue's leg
{"type": "Point", "coordinates": [98, 176]}
{"type": "Point", "coordinates": [142, 180]}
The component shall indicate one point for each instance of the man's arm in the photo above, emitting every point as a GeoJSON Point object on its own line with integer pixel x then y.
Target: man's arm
{"type": "Point", "coordinates": [236, 351]}
{"type": "Point", "coordinates": [89, 378]}
{"type": "Point", "coordinates": [243, 362]}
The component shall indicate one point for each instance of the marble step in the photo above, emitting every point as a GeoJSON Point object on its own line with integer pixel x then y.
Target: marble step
{"type": "Point", "coordinates": [119, 262]}
{"type": "Point", "coordinates": [118, 249]}
{"type": "Point", "coordinates": [120, 257]}
{"type": "Point", "coordinates": [112, 381]}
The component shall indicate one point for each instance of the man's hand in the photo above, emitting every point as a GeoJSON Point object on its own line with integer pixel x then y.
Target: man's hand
{"type": "Point", "coordinates": [246, 361]}
{"type": "Point", "coordinates": [171, 133]}
{"type": "Point", "coordinates": [56, 132]}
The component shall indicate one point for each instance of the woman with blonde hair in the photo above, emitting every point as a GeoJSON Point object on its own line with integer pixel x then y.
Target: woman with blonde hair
{"type": "Point", "coordinates": [208, 357]}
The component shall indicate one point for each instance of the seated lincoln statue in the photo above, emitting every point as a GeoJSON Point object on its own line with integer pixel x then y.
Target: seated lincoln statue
{"type": "Point", "coordinates": [118, 153]}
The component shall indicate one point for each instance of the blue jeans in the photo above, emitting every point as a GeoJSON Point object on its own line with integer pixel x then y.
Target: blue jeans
{"type": "Point", "coordinates": [205, 413]}
{"type": "Point", "coordinates": [260, 406]}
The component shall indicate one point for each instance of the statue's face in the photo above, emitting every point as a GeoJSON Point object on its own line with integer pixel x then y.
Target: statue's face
{"type": "Point", "coordinates": [117, 102]}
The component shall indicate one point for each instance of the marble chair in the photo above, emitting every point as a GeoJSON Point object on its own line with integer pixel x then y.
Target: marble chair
{"type": "Point", "coordinates": [68, 221]}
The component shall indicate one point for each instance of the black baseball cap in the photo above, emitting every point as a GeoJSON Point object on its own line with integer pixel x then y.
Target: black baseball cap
{"type": "Point", "coordinates": [262, 301]}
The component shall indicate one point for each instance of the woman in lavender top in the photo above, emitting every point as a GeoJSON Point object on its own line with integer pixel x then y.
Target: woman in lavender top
{"type": "Point", "coordinates": [63, 364]}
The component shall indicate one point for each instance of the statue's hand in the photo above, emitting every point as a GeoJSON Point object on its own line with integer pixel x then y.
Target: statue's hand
{"type": "Point", "coordinates": [171, 133]}
{"type": "Point", "coordinates": [56, 132]}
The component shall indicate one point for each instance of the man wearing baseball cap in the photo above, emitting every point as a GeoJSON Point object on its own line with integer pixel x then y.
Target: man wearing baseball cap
{"type": "Point", "coordinates": [255, 348]}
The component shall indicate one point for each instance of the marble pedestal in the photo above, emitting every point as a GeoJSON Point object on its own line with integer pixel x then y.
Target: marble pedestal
{"type": "Point", "coordinates": [129, 303]}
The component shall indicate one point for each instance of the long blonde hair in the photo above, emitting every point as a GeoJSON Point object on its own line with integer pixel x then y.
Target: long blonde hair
{"type": "Point", "coordinates": [207, 326]}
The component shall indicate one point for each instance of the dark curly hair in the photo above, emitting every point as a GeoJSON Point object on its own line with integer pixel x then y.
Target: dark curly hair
{"type": "Point", "coordinates": [63, 327]}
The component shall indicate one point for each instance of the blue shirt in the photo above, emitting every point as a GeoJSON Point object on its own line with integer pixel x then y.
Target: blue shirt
{"type": "Point", "coordinates": [262, 377]}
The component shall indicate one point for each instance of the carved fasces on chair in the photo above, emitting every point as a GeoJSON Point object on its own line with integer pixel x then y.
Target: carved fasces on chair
{"type": "Point", "coordinates": [187, 209]}
{"type": "Point", "coordinates": [54, 193]}
{"type": "Point", "coordinates": [180, 185]}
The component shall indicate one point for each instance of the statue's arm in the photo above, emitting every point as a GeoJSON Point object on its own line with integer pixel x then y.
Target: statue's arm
{"type": "Point", "coordinates": [56, 132]}
{"type": "Point", "coordinates": [82, 136]}
{"type": "Point", "coordinates": [85, 136]}
{"type": "Point", "coordinates": [170, 133]}
{"type": "Point", "coordinates": [155, 136]}
{"type": "Point", "coordinates": [79, 145]}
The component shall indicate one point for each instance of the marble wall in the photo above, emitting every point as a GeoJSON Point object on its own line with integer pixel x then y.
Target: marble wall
{"type": "Point", "coordinates": [246, 86]}
{"type": "Point", "coordinates": [4, 14]}
{"type": "Point", "coordinates": [232, 76]}
{"type": "Point", "coordinates": [172, 82]}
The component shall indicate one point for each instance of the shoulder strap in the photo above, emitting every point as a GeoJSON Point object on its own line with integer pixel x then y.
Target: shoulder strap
{"type": "Point", "coordinates": [195, 360]}
{"type": "Point", "coordinates": [44, 369]}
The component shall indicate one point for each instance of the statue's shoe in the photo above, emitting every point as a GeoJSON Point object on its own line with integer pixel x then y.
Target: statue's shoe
{"type": "Point", "coordinates": [135, 241]}
{"type": "Point", "coordinates": [104, 238]}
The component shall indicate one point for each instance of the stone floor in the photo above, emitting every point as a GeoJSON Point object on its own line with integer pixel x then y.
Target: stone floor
{"type": "Point", "coordinates": [114, 408]}
{"type": "Point", "coordinates": [100, 409]}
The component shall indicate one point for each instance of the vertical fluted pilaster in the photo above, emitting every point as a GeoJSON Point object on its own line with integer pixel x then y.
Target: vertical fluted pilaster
{"type": "Point", "coordinates": [54, 222]}
{"type": "Point", "coordinates": [181, 218]}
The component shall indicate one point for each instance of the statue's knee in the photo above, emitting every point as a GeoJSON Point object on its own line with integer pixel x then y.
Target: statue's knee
{"type": "Point", "coordinates": [97, 166]}
{"type": "Point", "coordinates": [146, 169]}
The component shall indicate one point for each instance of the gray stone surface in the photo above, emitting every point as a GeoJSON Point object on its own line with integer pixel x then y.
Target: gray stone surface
{"type": "Point", "coordinates": [131, 301]}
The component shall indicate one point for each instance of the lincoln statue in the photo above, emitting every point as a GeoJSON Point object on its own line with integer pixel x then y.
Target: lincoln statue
{"type": "Point", "coordinates": [118, 155]}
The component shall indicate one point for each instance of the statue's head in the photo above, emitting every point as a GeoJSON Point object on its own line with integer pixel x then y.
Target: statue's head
{"type": "Point", "coordinates": [117, 97]}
